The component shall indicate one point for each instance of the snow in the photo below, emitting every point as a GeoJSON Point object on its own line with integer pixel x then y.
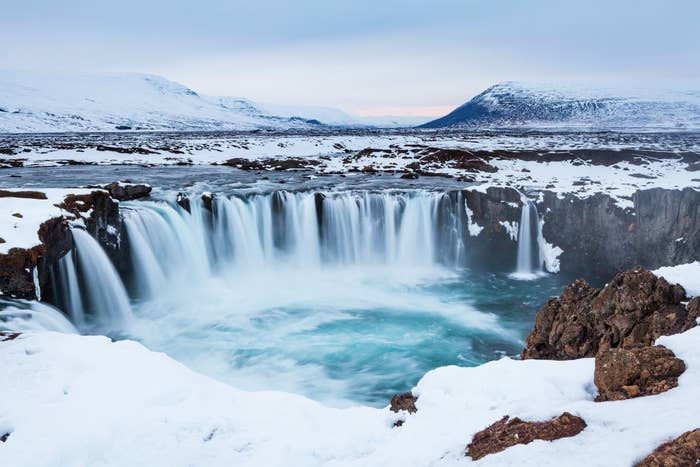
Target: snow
{"type": "Point", "coordinates": [584, 106]}
{"type": "Point", "coordinates": [549, 253]}
{"type": "Point", "coordinates": [511, 228]}
{"type": "Point", "coordinates": [76, 400]}
{"type": "Point", "coordinates": [71, 101]}
{"type": "Point", "coordinates": [23, 232]}
{"type": "Point", "coordinates": [474, 228]}
{"type": "Point", "coordinates": [620, 181]}
{"type": "Point", "coordinates": [687, 275]}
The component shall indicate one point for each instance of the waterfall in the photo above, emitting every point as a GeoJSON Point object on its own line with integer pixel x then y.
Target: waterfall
{"type": "Point", "coordinates": [305, 230]}
{"type": "Point", "coordinates": [25, 316]}
{"type": "Point", "coordinates": [529, 263]}
{"type": "Point", "coordinates": [72, 301]}
{"type": "Point", "coordinates": [101, 290]}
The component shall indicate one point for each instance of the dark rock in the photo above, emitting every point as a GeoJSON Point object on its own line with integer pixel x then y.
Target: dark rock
{"type": "Point", "coordinates": [17, 269]}
{"type": "Point", "coordinates": [493, 249]}
{"type": "Point", "coordinates": [680, 452]}
{"type": "Point", "coordinates": [410, 176]}
{"type": "Point", "coordinates": [9, 336]}
{"type": "Point", "coordinates": [624, 373]}
{"type": "Point", "coordinates": [208, 202]}
{"type": "Point", "coordinates": [184, 202]}
{"type": "Point", "coordinates": [18, 215]}
{"type": "Point", "coordinates": [4, 436]}
{"type": "Point", "coordinates": [405, 401]}
{"type": "Point", "coordinates": [124, 150]}
{"type": "Point", "coordinates": [127, 191]}
{"type": "Point", "coordinates": [635, 308]}
{"type": "Point", "coordinates": [597, 241]}
{"type": "Point", "coordinates": [458, 159]}
{"type": "Point", "coordinates": [104, 222]}
{"type": "Point", "coordinates": [287, 163]}
{"type": "Point", "coordinates": [508, 432]}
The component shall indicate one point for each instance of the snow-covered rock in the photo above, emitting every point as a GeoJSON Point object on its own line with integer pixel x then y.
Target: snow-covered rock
{"type": "Point", "coordinates": [592, 106]}
{"type": "Point", "coordinates": [687, 275]}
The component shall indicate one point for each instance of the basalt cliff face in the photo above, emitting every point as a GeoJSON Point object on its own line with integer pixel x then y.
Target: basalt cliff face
{"type": "Point", "coordinates": [598, 237]}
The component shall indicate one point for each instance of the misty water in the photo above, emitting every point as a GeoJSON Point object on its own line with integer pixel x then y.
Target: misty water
{"type": "Point", "coordinates": [350, 307]}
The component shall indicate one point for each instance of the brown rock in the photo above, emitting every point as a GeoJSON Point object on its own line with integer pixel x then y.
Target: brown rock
{"type": "Point", "coordinates": [8, 336]}
{"type": "Point", "coordinates": [624, 373]}
{"type": "Point", "coordinates": [508, 432]}
{"type": "Point", "coordinates": [22, 194]}
{"type": "Point", "coordinates": [16, 271]}
{"type": "Point", "coordinates": [405, 401]}
{"type": "Point", "coordinates": [680, 452]}
{"type": "Point", "coordinates": [635, 308]}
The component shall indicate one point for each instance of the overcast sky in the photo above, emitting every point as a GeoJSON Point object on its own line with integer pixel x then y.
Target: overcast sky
{"type": "Point", "coordinates": [372, 57]}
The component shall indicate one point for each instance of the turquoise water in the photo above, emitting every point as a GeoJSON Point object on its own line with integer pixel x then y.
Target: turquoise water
{"type": "Point", "coordinates": [342, 335]}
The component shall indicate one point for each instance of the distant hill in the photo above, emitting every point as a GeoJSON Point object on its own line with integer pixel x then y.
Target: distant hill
{"type": "Point", "coordinates": [78, 102]}
{"type": "Point", "coordinates": [576, 106]}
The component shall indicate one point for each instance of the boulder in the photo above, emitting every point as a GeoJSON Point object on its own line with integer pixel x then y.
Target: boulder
{"type": "Point", "coordinates": [405, 401]}
{"type": "Point", "coordinates": [624, 373]}
{"type": "Point", "coordinates": [680, 452]}
{"type": "Point", "coordinates": [636, 307]}
{"type": "Point", "coordinates": [508, 432]}
{"type": "Point", "coordinates": [127, 191]}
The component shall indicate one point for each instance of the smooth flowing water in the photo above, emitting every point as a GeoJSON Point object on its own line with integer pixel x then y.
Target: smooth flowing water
{"type": "Point", "coordinates": [344, 296]}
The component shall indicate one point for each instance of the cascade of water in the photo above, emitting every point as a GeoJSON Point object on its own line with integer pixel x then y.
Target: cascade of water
{"type": "Point", "coordinates": [72, 301]}
{"type": "Point", "coordinates": [528, 252]}
{"type": "Point", "coordinates": [103, 292]}
{"type": "Point", "coordinates": [24, 316]}
{"type": "Point", "coordinates": [303, 229]}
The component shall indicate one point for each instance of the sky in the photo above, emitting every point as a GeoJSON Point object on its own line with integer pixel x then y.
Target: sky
{"type": "Point", "coordinates": [367, 57]}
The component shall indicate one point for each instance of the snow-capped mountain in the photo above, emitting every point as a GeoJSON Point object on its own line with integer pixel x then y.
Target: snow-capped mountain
{"type": "Point", "coordinates": [576, 106]}
{"type": "Point", "coordinates": [76, 102]}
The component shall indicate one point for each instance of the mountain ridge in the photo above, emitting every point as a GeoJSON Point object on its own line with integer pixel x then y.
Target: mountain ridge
{"type": "Point", "coordinates": [574, 105]}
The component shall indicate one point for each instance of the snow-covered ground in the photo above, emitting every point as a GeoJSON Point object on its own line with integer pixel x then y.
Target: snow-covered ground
{"type": "Point", "coordinates": [85, 401]}
{"type": "Point", "coordinates": [20, 218]}
{"type": "Point", "coordinates": [337, 153]}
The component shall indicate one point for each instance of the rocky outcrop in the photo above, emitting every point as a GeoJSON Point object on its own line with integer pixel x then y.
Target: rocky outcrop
{"type": "Point", "coordinates": [21, 270]}
{"type": "Point", "coordinates": [102, 218]}
{"type": "Point", "coordinates": [624, 373]}
{"type": "Point", "coordinates": [127, 191]}
{"type": "Point", "coordinates": [600, 238]}
{"type": "Point", "coordinates": [17, 269]}
{"type": "Point", "coordinates": [405, 401]}
{"type": "Point", "coordinates": [636, 307]}
{"type": "Point", "coordinates": [508, 432]}
{"type": "Point", "coordinates": [680, 452]}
